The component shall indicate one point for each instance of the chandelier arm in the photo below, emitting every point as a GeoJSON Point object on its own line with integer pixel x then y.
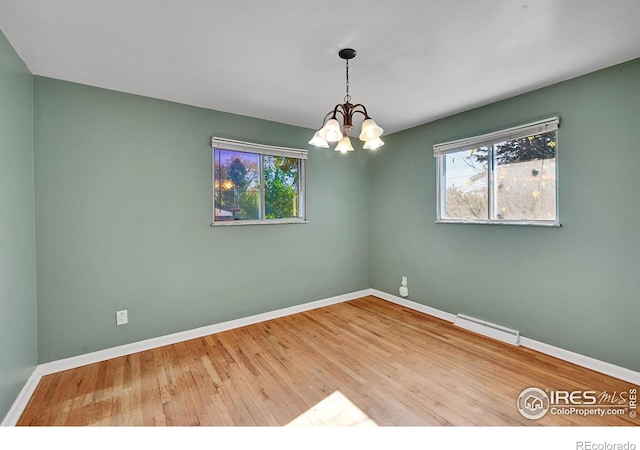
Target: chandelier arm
{"type": "Point", "coordinates": [326, 116]}
{"type": "Point", "coordinates": [332, 114]}
{"type": "Point", "coordinates": [339, 109]}
{"type": "Point", "coordinates": [363, 112]}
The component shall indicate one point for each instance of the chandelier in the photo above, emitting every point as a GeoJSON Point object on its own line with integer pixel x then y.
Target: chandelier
{"type": "Point", "coordinates": [332, 131]}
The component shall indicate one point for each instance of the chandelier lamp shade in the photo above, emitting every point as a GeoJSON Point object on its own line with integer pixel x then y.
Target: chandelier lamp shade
{"type": "Point", "coordinates": [334, 131]}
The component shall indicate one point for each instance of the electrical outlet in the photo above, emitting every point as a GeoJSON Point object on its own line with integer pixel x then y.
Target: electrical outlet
{"type": "Point", "coordinates": [122, 317]}
{"type": "Point", "coordinates": [404, 281]}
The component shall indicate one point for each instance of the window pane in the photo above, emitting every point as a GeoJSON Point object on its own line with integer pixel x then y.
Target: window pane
{"type": "Point", "coordinates": [281, 193]}
{"type": "Point", "coordinates": [525, 178]}
{"type": "Point", "coordinates": [466, 195]}
{"type": "Point", "coordinates": [237, 185]}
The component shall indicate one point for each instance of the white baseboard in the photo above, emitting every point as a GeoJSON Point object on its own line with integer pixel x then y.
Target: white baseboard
{"type": "Point", "coordinates": [413, 305]}
{"type": "Point", "coordinates": [41, 370]}
{"type": "Point", "coordinates": [148, 344]}
{"type": "Point", "coordinates": [584, 361]}
{"type": "Point", "coordinates": [606, 368]}
{"type": "Point", "coordinates": [23, 399]}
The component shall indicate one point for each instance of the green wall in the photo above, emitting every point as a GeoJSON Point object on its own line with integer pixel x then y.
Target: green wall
{"type": "Point", "coordinates": [576, 287]}
{"type": "Point", "coordinates": [18, 334]}
{"type": "Point", "coordinates": [123, 214]}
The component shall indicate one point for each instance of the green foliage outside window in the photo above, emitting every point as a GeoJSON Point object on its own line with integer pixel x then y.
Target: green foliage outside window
{"type": "Point", "coordinates": [237, 190]}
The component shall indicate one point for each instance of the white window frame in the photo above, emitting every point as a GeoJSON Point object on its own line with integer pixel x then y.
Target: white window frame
{"type": "Point", "coordinates": [218, 143]}
{"type": "Point", "coordinates": [489, 139]}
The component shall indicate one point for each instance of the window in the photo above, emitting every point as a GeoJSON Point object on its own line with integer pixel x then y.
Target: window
{"type": "Point", "coordinates": [506, 177]}
{"type": "Point", "coordinates": [257, 184]}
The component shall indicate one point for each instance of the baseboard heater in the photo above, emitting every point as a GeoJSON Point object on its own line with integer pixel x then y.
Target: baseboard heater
{"type": "Point", "coordinates": [488, 329]}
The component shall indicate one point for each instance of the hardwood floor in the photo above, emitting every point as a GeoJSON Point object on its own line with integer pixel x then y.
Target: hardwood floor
{"type": "Point", "coordinates": [363, 362]}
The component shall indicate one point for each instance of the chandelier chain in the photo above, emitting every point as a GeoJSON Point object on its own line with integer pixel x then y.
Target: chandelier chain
{"type": "Point", "coordinates": [347, 97]}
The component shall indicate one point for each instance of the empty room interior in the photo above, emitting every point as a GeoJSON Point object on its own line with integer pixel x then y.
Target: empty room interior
{"type": "Point", "coordinates": [342, 213]}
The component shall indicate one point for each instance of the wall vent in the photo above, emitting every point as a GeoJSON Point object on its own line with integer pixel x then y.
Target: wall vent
{"type": "Point", "coordinates": [488, 329]}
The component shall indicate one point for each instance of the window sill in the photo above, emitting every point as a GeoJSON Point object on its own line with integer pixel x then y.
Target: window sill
{"type": "Point", "coordinates": [227, 223]}
{"type": "Point", "coordinates": [527, 223]}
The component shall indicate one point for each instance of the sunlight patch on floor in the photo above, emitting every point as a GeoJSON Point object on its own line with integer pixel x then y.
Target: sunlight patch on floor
{"type": "Point", "coordinates": [335, 411]}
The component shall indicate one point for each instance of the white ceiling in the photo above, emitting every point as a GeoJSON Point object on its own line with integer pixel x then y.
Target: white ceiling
{"type": "Point", "coordinates": [418, 60]}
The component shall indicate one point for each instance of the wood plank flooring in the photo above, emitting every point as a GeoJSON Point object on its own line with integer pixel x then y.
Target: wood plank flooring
{"type": "Point", "coordinates": [364, 362]}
